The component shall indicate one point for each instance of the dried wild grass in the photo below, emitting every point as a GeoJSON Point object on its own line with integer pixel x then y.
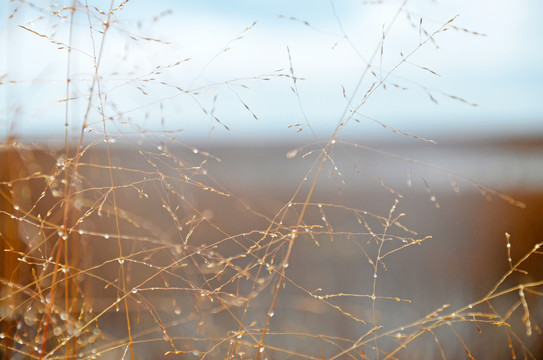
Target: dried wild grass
{"type": "Point", "coordinates": [127, 242]}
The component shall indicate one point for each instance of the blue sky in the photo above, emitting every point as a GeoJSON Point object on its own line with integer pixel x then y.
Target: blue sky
{"type": "Point", "coordinates": [501, 72]}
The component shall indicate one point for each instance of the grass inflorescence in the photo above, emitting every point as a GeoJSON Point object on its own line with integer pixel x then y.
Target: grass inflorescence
{"type": "Point", "coordinates": [127, 237]}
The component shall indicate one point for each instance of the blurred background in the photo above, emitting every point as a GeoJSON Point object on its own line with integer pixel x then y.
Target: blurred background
{"type": "Point", "coordinates": [209, 118]}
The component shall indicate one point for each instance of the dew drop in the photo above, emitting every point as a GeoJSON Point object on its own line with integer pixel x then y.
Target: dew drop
{"type": "Point", "coordinates": [177, 311]}
{"type": "Point", "coordinates": [76, 332]}
{"type": "Point", "coordinates": [121, 261]}
{"type": "Point", "coordinates": [30, 319]}
{"type": "Point", "coordinates": [106, 236]}
{"type": "Point", "coordinates": [16, 207]}
{"type": "Point", "coordinates": [333, 141]}
{"type": "Point", "coordinates": [375, 275]}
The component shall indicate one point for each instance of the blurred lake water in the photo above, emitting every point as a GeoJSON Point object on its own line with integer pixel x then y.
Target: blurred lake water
{"type": "Point", "coordinates": [460, 198]}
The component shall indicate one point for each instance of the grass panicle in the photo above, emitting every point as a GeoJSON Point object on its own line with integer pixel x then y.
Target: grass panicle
{"type": "Point", "coordinates": [126, 238]}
